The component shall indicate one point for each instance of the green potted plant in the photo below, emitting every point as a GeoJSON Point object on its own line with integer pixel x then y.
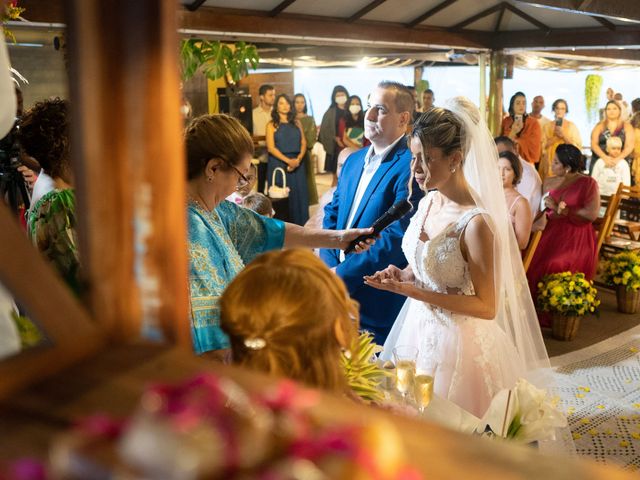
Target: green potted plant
{"type": "Point", "coordinates": [592, 88]}
{"type": "Point", "coordinates": [622, 271]}
{"type": "Point", "coordinates": [217, 59]}
{"type": "Point", "coordinates": [568, 297]}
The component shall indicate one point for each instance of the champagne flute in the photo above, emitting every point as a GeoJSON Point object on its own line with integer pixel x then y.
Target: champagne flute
{"type": "Point", "coordinates": [405, 357]}
{"type": "Point", "coordinates": [423, 385]}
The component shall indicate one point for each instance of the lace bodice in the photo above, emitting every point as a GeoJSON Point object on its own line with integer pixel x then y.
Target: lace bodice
{"type": "Point", "coordinates": [438, 263]}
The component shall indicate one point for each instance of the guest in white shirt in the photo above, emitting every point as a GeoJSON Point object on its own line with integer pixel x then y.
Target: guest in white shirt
{"type": "Point", "coordinates": [610, 175]}
{"type": "Point", "coordinates": [530, 186]}
{"type": "Point", "coordinates": [262, 116]}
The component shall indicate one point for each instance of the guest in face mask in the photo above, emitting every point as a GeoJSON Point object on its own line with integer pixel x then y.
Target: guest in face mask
{"type": "Point", "coordinates": [352, 126]}
{"type": "Point", "coordinates": [329, 128]}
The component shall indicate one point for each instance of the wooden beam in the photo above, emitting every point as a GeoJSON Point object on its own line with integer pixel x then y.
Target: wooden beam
{"type": "Point", "coordinates": [364, 10]}
{"type": "Point", "coordinates": [629, 9]}
{"type": "Point", "coordinates": [499, 21]}
{"type": "Point", "coordinates": [603, 21]}
{"type": "Point", "coordinates": [332, 31]}
{"type": "Point", "coordinates": [478, 16]}
{"type": "Point", "coordinates": [128, 160]}
{"type": "Point", "coordinates": [568, 38]}
{"type": "Point", "coordinates": [280, 7]}
{"type": "Point", "coordinates": [429, 13]}
{"type": "Point", "coordinates": [527, 17]}
{"type": "Point", "coordinates": [595, 55]}
{"type": "Point", "coordinates": [33, 283]}
{"type": "Point", "coordinates": [584, 4]}
{"type": "Point", "coordinates": [45, 12]}
{"type": "Point", "coordinates": [194, 5]}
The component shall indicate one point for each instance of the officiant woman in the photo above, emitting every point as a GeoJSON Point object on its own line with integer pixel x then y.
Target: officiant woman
{"type": "Point", "coordinates": [222, 236]}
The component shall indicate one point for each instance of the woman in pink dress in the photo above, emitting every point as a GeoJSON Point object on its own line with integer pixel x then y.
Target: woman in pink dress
{"type": "Point", "coordinates": [568, 243]}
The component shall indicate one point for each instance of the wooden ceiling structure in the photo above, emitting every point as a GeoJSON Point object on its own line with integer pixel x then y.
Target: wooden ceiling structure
{"type": "Point", "coordinates": [324, 28]}
{"type": "Point", "coordinates": [605, 28]}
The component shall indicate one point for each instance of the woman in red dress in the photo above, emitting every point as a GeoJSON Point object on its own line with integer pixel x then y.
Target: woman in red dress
{"type": "Point", "coordinates": [568, 243]}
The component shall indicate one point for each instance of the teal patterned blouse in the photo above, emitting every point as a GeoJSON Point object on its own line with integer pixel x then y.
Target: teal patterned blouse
{"type": "Point", "coordinates": [221, 243]}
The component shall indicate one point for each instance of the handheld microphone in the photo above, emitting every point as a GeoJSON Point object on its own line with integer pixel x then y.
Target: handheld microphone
{"type": "Point", "coordinates": [396, 212]}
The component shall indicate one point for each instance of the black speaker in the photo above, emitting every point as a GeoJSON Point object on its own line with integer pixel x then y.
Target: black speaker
{"type": "Point", "coordinates": [238, 106]}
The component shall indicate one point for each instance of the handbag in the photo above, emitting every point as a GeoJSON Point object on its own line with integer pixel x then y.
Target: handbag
{"type": "Point", "coordinates": [275, 191]}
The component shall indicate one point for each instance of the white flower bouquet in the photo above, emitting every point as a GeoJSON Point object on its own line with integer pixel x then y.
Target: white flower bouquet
{"type": "Point", "coordinates": [525, 414]}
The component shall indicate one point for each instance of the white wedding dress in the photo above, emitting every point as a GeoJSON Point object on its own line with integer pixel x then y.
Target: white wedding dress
{"type": "Point", "coordinates": [475, 358]}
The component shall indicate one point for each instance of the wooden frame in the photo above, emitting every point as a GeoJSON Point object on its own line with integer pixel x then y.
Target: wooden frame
{"type": "Point", "coordinates": [71, 334]}
{"type": "Point", "coordinates": [128, 160]}
{"type": "Point", "coordinates": [129, 171]}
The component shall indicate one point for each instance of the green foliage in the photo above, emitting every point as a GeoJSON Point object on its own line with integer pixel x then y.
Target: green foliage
{"type": "Point", "coordinates": [11, 12]}
{"type": "Point", "coordinates": [592, 88]}
{"type": "Point", "coordinates": [217, 59]}
{"type": "Point", "coordinates": [30, 335]}
{"type": "Point", "coordinates": [421, 86]}
{"type": "Point", "coordinates": [362, 371]}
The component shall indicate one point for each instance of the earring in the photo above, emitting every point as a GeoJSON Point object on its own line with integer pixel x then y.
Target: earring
{"type": "Point", "coordinates": [210, 178]}
{"type": "Point", "coordinates": [452, 169]}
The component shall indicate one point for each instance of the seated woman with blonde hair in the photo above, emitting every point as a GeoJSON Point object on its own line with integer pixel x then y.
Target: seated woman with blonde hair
{"type": "Point", "coordinates": [275, 330]}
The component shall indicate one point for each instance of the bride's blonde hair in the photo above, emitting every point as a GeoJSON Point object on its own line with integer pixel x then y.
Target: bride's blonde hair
{"type": "Point", "coordinates": [287, 314]}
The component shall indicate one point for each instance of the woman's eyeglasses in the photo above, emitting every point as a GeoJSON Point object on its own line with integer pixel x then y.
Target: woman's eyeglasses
{"type": "Point", "coordinates": [243, 181]}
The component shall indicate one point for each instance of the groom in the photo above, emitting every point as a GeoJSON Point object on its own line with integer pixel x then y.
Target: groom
{"type": "Point", "coordinates": [371, 181]}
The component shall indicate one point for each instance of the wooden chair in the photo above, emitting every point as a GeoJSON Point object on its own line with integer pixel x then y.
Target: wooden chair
{"type": "Point", "coordinates": [527, 254]}
{"type": "Point", "coordinates": [618, 232]}
{"type": "Point", "coordinates": [602, 223]}
{"type": "Point", "coordinates": [628, 225]}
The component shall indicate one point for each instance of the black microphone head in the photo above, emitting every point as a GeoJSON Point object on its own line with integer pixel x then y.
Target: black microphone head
{"type": "Point", "coordinates": [400, 209]}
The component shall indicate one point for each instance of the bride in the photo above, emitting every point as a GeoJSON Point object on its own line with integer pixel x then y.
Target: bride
{"type": "Point", "coordinates": [468, 307]}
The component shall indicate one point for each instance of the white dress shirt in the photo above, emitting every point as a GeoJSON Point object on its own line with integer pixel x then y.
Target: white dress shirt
{"type": "Point", "coordinates": [608, 178]}
{"type": "Point", "coordinates": [260, 119]}
{"type": "Point", "coordinates": [372, 162]}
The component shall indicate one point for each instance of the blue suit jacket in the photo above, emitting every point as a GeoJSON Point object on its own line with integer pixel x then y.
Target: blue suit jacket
{"type": "Point", "coordinates": [390, 184]}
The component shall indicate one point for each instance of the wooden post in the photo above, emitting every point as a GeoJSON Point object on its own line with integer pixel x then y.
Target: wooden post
{"type": "Point", "coordinates": [496, 75]}
{"type": "Point", "coordinates": [482, 67]}
{"type": "Point", "coordinates": [417, 76]}
{"type": "Point", "coordinates": [128, 161]}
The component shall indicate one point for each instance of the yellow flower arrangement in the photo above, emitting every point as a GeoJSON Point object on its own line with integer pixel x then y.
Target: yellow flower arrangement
{"type": "Point", "coordinates": [566, 293]}
{"type": "Point", "coordinates": [11, 12]}
{"type": "Point", "coordinates": [623, 269]}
